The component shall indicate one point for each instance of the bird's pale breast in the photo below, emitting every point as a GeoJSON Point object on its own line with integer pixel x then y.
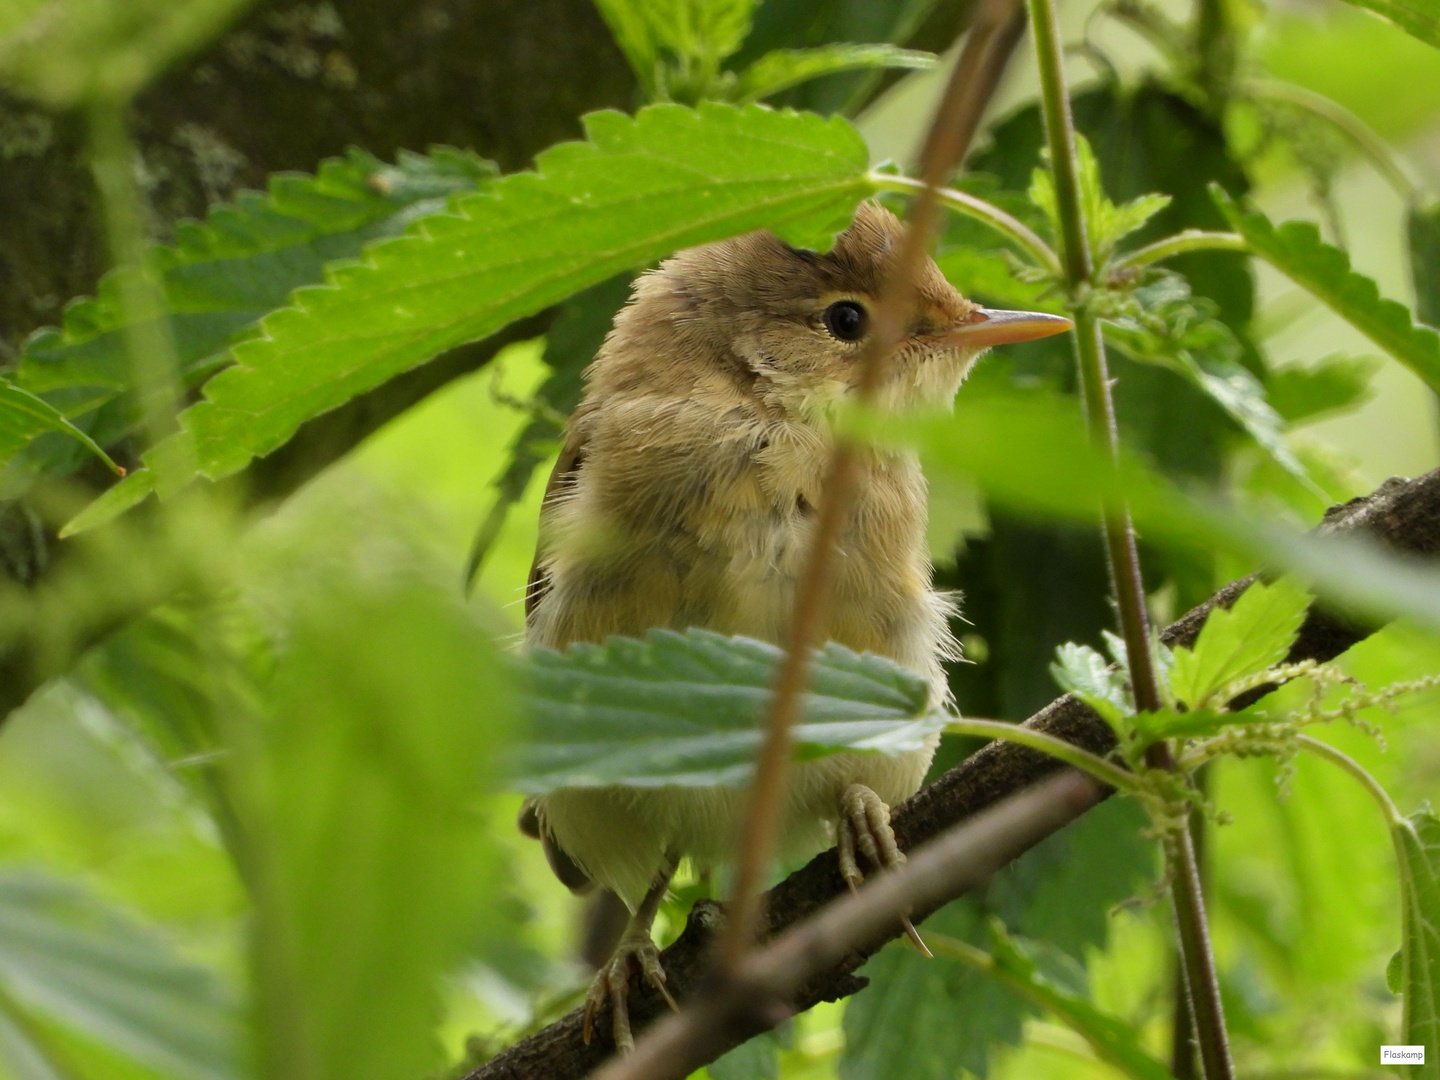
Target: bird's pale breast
{"type": "Point", "coordinates": [699, 513]}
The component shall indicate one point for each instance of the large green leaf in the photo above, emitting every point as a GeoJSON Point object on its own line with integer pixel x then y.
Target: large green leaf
{"type": "Point", "coordinates": [1012, 963]}
{"type": "Point", "coordinates": [1417, 843]}
{"type": "Point", "coordinates": [1296, 250]}
{"type": "Point", "coordinates": [641, 187]}
{"type": "Point", "coordinates": [920, 1020]}
{"type": "Point", "coordinates": [359, 786]}
{"type": "Point", "coordinates": [73, 961]}
{"type": "Point", "coordinates": [1418, 17]}
{"type": "Point", "coordinates": [689, 709]}
{"type": "Point", "coordinates": [222, 274]}
{"type": "Point", "coordinates": [1254, 634]}
{"type": "Point", "coordinates": [25, 417]}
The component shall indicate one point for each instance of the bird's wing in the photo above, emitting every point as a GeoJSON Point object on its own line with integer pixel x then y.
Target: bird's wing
{"type": "Point", "coordinates": [562, 479]}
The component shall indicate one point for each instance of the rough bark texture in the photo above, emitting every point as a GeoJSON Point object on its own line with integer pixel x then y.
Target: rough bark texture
{"type": "Point", "coordinates": [289, 85]}
{"type": "Point", "coordinates": [292, 84]}
{"type": "Point", "coordinates": [1404, 514]}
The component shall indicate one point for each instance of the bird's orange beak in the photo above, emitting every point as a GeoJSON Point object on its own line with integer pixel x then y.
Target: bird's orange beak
{"type": "Point", "coordinates": [986, 326]}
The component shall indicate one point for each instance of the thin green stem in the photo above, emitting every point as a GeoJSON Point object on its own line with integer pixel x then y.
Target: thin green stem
{"type": "Point", "coordinates": [1201, 978]}
{"type": "Point", "coordinates": [1365, 138]}
{"type": "Point", "coordinates": [1060, 136]}
{"type": "Point", "coordinates": [1007, 226]}
{"type": "Point", "coordinates": [154, 371]}
{"type": "Point", "coordinates": [1179, 244]}
{"type": "Point", "coordinates": [1393, 816]}
{"type": "Point", "coordinates": [1104, 771]}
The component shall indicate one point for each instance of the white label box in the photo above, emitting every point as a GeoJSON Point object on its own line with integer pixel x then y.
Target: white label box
{"type": "Point", "coordinates": [1402, 1055]}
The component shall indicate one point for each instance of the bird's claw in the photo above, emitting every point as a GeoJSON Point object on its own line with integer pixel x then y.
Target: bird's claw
{"type": "Point", "coordinates": [865, 829]}
{"type": "Point", "coordinates": [612, 983]}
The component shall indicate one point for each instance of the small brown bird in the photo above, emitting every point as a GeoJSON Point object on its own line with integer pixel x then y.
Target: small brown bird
{"type": "Point", "coordinates": [685, 496]}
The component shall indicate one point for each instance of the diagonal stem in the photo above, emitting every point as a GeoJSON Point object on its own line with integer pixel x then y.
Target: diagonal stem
{"type": "Point", "coordinates": [972, 81]}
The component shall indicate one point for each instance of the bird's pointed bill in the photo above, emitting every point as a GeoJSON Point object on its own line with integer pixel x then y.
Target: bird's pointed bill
{"type": "Point", "coordinates": [989, 326]}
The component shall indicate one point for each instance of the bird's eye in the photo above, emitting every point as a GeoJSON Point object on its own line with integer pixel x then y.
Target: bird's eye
{"type": "Point", "coordinates": [846, 320]}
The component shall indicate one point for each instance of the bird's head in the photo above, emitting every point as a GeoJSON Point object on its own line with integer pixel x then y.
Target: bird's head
{"type": "Point", "coordinates": [791, 324]}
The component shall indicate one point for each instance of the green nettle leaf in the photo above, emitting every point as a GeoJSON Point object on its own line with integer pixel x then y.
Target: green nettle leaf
{"type": "Point", "coordinates": [675, 46]}
{"type": "Point", "coordinates": [222, 274]}
{"type": "Point", "coordinates": [72, 960]}
{"type": "Point", "coordinates": [923, 1020]}
{"type": "Point", "coordinates": [1082, 671]}
{"type": "Point", "coordinates": [25, 417]}
{"type": "Point", "coordinates": [1301, 393]}
{"type": "Point", "coordinates": [640, 188]}
{"type": "Point", "coordinates": [783, 68]}
{"type": "Point", "coordinates": [1296, 250]}
{"type": "Point", "coordinates": [1013, 962]}
{"type": "Point", "coordinates": [1417, 844]}
{"type": "Point", "coordinates": [1256, 633]}
{"type": "Point", "coordinates": [1167, 327]}
{"type": "Point", "coordinates": [1418, 17]}
{"type": "Point", "coordinates": [688, 709]}
{"type": "Point", "coordinates": [1106, 224]}
{"type": "Point", "coordinates": [1193, 724]}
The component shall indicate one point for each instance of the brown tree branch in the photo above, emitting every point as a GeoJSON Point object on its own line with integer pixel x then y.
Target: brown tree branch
{"type": "Point", "coordinates": [759, 992]}
{"type": "Point", "coordinates": [1405, 514]}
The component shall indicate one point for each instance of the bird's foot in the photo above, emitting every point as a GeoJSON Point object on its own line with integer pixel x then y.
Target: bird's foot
{"type": "Point", "coordinates": [865, 829]}
{"type": "Point", "coordinates": [612, 983]}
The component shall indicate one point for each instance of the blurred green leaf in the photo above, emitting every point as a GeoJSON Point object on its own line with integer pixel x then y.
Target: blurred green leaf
{"type": "Point", "coordinates": [756, 1059]}
{"type": "Point", "coordinates": [784, 68]}
{"type": "Point", "coordinates": [360, 788]}
{"type": "Point", "coordinates": [1417, 843]}
{"type": "Point", "coordinates": [1113, 1040]}
{"type": "Point", "coordinates": [572, 342]}
{"type": "Point", "coordinates": [1418, 17]}
{"type": "Point", "coordinates": [642, 187]}
{"type": "Point", "coordinates": [69, 52]}
{"type": "Point", "coordinates": [24, 417]}
{"type": "Point", "coordinates": [988, 275]}
{"type": "Point", "coordinates": [1254, 634]}
{"type": "Point", "coordinates": [222, 274]}
{"type": "Point", "coordinates": [1106, 223]}
{"type": "Point", "coordinates": [1423, 226]}
{"type": "Point", "coordinates": [85, 966]}
{"type": "Point", "coordinates": [1301, 393]}
{"type": "Point", "coordinates": [1296, 250]}
{"type": "Point", "coordinates": [688, 709]}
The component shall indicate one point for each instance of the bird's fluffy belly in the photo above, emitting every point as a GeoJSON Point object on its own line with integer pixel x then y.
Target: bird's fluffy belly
{"type": "Point", "coordinates": [619, 836]}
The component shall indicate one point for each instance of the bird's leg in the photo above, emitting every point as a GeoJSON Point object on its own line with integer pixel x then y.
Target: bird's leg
{"type": "Point", "coordinates": [612, 981]}
{"type": "Point", "coordinates": [865, 828]}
